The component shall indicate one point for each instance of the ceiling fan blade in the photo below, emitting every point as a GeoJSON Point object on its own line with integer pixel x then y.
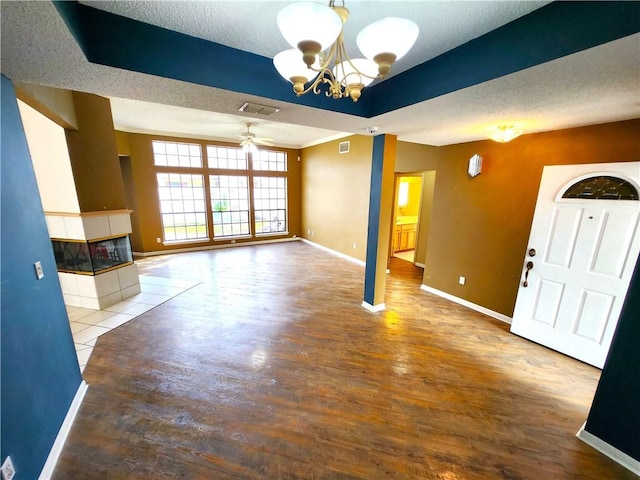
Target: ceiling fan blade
{"type": "Point", "coordinates": [263, 141]}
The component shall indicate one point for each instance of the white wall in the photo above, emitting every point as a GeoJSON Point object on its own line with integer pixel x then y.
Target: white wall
{"type": "Point", "coordinates": [51, 162]}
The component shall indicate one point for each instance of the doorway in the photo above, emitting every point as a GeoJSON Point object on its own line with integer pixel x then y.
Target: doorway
{"type": "Point", "coordinates": [411, 216]}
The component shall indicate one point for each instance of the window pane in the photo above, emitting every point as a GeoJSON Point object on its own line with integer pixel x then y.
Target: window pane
{"type": "Point", "coordinates": [270, 215]}
{"type": "Point", "coordinates": [226, 158]}
{"type": "Point", "coordinates": [270, 161]}
{"type": "Point", "coordinates": [182, 217]}
{"type": "Point", "coordinates": [230, 204]}
{"type": "Point", "coordinates": [173, 154]}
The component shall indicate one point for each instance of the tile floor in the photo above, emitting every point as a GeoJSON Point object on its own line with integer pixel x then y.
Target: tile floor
{"type": "Point", "coordinates": [87, 324]}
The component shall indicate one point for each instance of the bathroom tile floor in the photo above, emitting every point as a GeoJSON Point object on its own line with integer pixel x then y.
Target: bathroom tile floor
{"type": "Point", "coordinates": [87, 324]}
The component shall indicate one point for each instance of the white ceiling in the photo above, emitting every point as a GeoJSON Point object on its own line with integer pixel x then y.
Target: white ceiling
{"type": "Point", "coordinates": [594, 86]}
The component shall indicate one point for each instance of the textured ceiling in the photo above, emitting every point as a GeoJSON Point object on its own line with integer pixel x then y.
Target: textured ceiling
{"type": "Point", "coordinates": [594, 86]}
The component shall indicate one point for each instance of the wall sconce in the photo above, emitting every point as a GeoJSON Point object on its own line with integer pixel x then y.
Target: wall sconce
{"type": "Point", "coordinates": [403, 194]}
{"type": "Point", "coordinates": [475, 166]}
{"type": "Point", "coordinates": [505, 133]}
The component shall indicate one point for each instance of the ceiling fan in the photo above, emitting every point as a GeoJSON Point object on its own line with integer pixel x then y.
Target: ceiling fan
{"type": "Point", "coordinates": [250, 141]}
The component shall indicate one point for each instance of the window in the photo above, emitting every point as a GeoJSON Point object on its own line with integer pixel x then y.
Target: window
{"type": "Point", "coordinates": [602, 188]}
{"type": "Point", "coordinates": [182, 206]}
{"type": "Point", "coordinates": [270, 204]}
{"type": "Point", "coordinates": [172, 154]}
{"type": "Point", "coordinates": [221, 193]}
{"type": "Point", "coordinates": [270, 161]}
{"type": "Point", "coordinates": [229, 205]}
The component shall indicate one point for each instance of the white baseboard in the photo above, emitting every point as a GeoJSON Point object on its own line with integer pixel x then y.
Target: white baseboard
{"type": "Point", "coordinates": [466, 303]}
{"type": "Point", "coordinates": [61, 438]}
{"type": "Point", "coordinates": [374, 308]}
{"type": "Point", "coordinates": [417, 264]}
{"type": "Point", "coordinates": [212, 247]}
{"type": "Point", "coordinates": [334, 252]}
{"type": "Point", "coordinates": [608, 450]}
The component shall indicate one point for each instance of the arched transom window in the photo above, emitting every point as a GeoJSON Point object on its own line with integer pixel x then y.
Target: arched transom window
{"type": "Point", "coordinates": [602, 187]}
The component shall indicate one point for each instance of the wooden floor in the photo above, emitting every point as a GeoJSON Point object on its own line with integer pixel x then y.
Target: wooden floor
{"type": "Point", "coordinates": [271, 369]}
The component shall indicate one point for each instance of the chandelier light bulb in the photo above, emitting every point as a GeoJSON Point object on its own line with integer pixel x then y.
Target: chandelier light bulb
{"type": "Point", "coordinates": [309, 22]}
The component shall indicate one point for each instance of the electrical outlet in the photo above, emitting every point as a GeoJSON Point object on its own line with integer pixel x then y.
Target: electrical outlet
{"type": "Point", "coordinates": [8, 472]}
{"type": "Point", "coordinates": [158, 240]}
{"type": "Point", "coordinates": [355, 245]}
{"type": "Point", "coordinates": [462, 280]}
{"type": "Point", "coordinates": [39, 271]}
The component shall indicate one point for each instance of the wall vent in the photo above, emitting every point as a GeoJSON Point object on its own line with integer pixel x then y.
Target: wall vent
{"type": "Point", "coordinates": [343, 147]}
{"type": "Point", "coordinates": [259, 109]}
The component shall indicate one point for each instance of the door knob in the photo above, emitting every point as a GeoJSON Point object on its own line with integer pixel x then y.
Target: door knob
{"type": "Point", "coordinates": [526, 274]}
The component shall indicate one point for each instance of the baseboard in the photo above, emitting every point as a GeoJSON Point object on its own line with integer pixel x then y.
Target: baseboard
{"type": "Point", "coordinates": [466, 303]}
{"type": "Point", "coordinates": [374, 308]}
{"type": "Point", "coordinates": [608, 450]}
{"type": "Point", "coordinates": [213, 247]}
{"type": "Point", "coordinates": [61, 438]}
{"type": "Point", "coordinates": [417, 264]}
{"type": "Point", "coordinates": [334, 252]}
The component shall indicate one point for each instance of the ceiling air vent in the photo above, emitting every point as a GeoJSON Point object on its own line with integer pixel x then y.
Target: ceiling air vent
{"type": "Point", "coordinates": [259, 109]}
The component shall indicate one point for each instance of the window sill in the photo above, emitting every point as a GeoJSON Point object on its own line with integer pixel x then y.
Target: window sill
{"type": "Point", "coordinates": [232, 238]}
{"type": "Point", "coordinates": [170, 243]}
{"type": "Point", "coordinates": [272, 234]}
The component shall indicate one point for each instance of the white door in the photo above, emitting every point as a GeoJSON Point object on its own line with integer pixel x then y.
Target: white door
{"type": "Point", "coordinates": [585, 252]}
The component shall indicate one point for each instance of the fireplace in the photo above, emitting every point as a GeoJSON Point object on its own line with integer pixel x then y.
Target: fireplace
{"type": "Point", "coordinates": [94, 257]}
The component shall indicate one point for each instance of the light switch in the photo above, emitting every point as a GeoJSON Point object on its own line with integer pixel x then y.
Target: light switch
{"type": "Point", "coordinates": [39, 271]}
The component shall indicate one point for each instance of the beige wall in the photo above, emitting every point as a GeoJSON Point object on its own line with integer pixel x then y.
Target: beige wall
{"type": "Point", "coordinates": [480, 226]}
{"type": "Point", "coordinates": [142, 193]}
{"type": "Point", "coordinates": [335, 195]}
{"type": "Point", "coordinates": [51, 163]}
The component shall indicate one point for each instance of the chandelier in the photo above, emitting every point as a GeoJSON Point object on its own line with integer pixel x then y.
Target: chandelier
{"type": "Point", "coordinates": [315, 32]}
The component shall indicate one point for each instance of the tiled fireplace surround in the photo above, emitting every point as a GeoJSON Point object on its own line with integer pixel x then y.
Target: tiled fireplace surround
{"type": "Point", "coordinates": [104, 289]}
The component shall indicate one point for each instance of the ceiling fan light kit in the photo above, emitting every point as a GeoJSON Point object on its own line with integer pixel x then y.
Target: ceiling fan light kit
{"type": "Point", "coordinates": [250, 142]}
{"type": "Point", "coordinates": [320, 57]}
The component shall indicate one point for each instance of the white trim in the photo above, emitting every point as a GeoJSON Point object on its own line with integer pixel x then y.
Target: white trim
{"type": "Point", "coordinates": [334, 252]}
{"type": "Point", "coordinates": [212, 247]}
{"type": "Point", "coordinates": [417, 264]}
{"type": "Point", "coordinates": [374, 308]}
{"type": "Point", "coordinates": [610, 451]}
{"type": "Point", "coordinates": [61, 438]}
{"type": "Point", "coordinates": [466, 303]}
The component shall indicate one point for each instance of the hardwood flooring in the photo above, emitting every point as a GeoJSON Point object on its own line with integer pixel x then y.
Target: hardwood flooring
{"type": "Point", "coordinates": [271, 369]}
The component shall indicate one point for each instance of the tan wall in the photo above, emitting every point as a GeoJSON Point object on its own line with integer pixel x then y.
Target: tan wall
{"type": "Point", "coordinates": [413, 157]}
{"type": "Point", "coordinates": [146, 218]}
{"type": "Point", "coordinates": [480, 226]}
{"type": "Point", "coordinates": [335, 195]}
{"type": "Point", "coordinates": [54, 103]}
{"type": "Point", "coordinates": [94, 155]}
{"type": "Point", "coordinates": [424, 224]}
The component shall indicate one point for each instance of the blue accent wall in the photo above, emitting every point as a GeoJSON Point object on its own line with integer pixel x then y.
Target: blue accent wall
{"type": "Point", "coordinates": [615, 412]}
{"type": "Point", "coordinates": [375, 196]}
{"type": "Point", "coordinates": [40, 373]}
{"type": "Point", "coordinates": [548, 33]}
